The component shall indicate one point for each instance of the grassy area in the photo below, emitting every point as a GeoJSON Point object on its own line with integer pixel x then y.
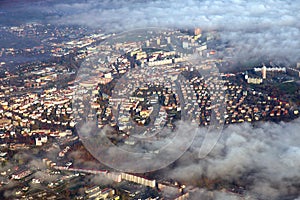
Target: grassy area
{"type": "Point", "coordinates": [288, 88]}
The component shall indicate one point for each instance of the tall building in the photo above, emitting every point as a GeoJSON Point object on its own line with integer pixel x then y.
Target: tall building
{"type": "Point", "coordinates": [197, 31]}
{"type": "Point", "coordinates": [246, 75]}
{"type": "Point", "coordinates": [147, 43]}
{"type": "Point", "coordinates": [169, 40]}
{"type": "Point", "coordinates": [264, 72]}
{"type": "Point", "coordinates": [158, 41]}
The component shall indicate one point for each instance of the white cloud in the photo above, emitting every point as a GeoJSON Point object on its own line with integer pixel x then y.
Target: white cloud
{"type": "Point", "coordinates": [266, 29]}
{"type": "Point", "coordinates": [265, 158]}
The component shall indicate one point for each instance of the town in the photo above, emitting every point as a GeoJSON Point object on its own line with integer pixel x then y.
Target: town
{"type": "Point", "coordinates": [138, 84]}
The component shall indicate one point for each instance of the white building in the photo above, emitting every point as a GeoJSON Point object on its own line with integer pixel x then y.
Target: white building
{"type": "Point", "coordinates": [264, 72]}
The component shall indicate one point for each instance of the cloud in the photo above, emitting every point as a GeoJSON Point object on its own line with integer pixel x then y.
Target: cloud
{"type": "Point", "coordinates": [264, 158]}
{"type": "Point", "coordinates": [99, 180]}
{"type": "Point", "coordinates": [230, 15]}
{"type": "Point", "coordinates": [267, 29]}
{"type": "Point", "coordinates": [204, 194]}
{"type": "Point", "coordinates": [148, 154]}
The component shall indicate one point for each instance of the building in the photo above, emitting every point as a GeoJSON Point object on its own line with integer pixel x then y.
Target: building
{"type": "Point", "coordinates": [185, 45]}
{"type": "Point", "coordinates": [246, 76]}
{"type": "Point", "coordinates": [293, 72]}
{"type": "Point", "coordinates": [147, 43]}
{"type": "Point", "coordinates": [38, 141]}
{"type": "Point", "coordinates": [197, 31]}
{"type": "Point", "coordinates": [254, 80]}
{"type": "Point", "coordinates": [264, 72]}
{"type": "Point", "coordinates": [158, 41]}
{"type": "Point", "coordinates": [21, 174]}
{"type": "Point", "coordinates": [169, 40]}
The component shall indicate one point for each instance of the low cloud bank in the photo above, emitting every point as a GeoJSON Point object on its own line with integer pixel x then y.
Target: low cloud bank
{"type": "Point", "coordinates": [264, 159]}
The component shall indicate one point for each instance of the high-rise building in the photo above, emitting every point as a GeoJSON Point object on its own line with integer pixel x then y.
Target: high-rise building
{"type": "Point", "coordinates": [158, 41]}
{"type": "Point", "coordinates": [197, 31]}
{"type": "Point", "coordinates": [169, 40]}
{"type": "Point", "coordinates": [246, 75]}
{"type": "Point", "coordinates": [264, 72]}
{"type": "Point", "coordinates": [147, 43]}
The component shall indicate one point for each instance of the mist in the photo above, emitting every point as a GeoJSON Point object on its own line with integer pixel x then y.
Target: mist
{"type": "Point", "coordinates": [267, 29]}
{"type": "Point", "coordinates": [264, 159]}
